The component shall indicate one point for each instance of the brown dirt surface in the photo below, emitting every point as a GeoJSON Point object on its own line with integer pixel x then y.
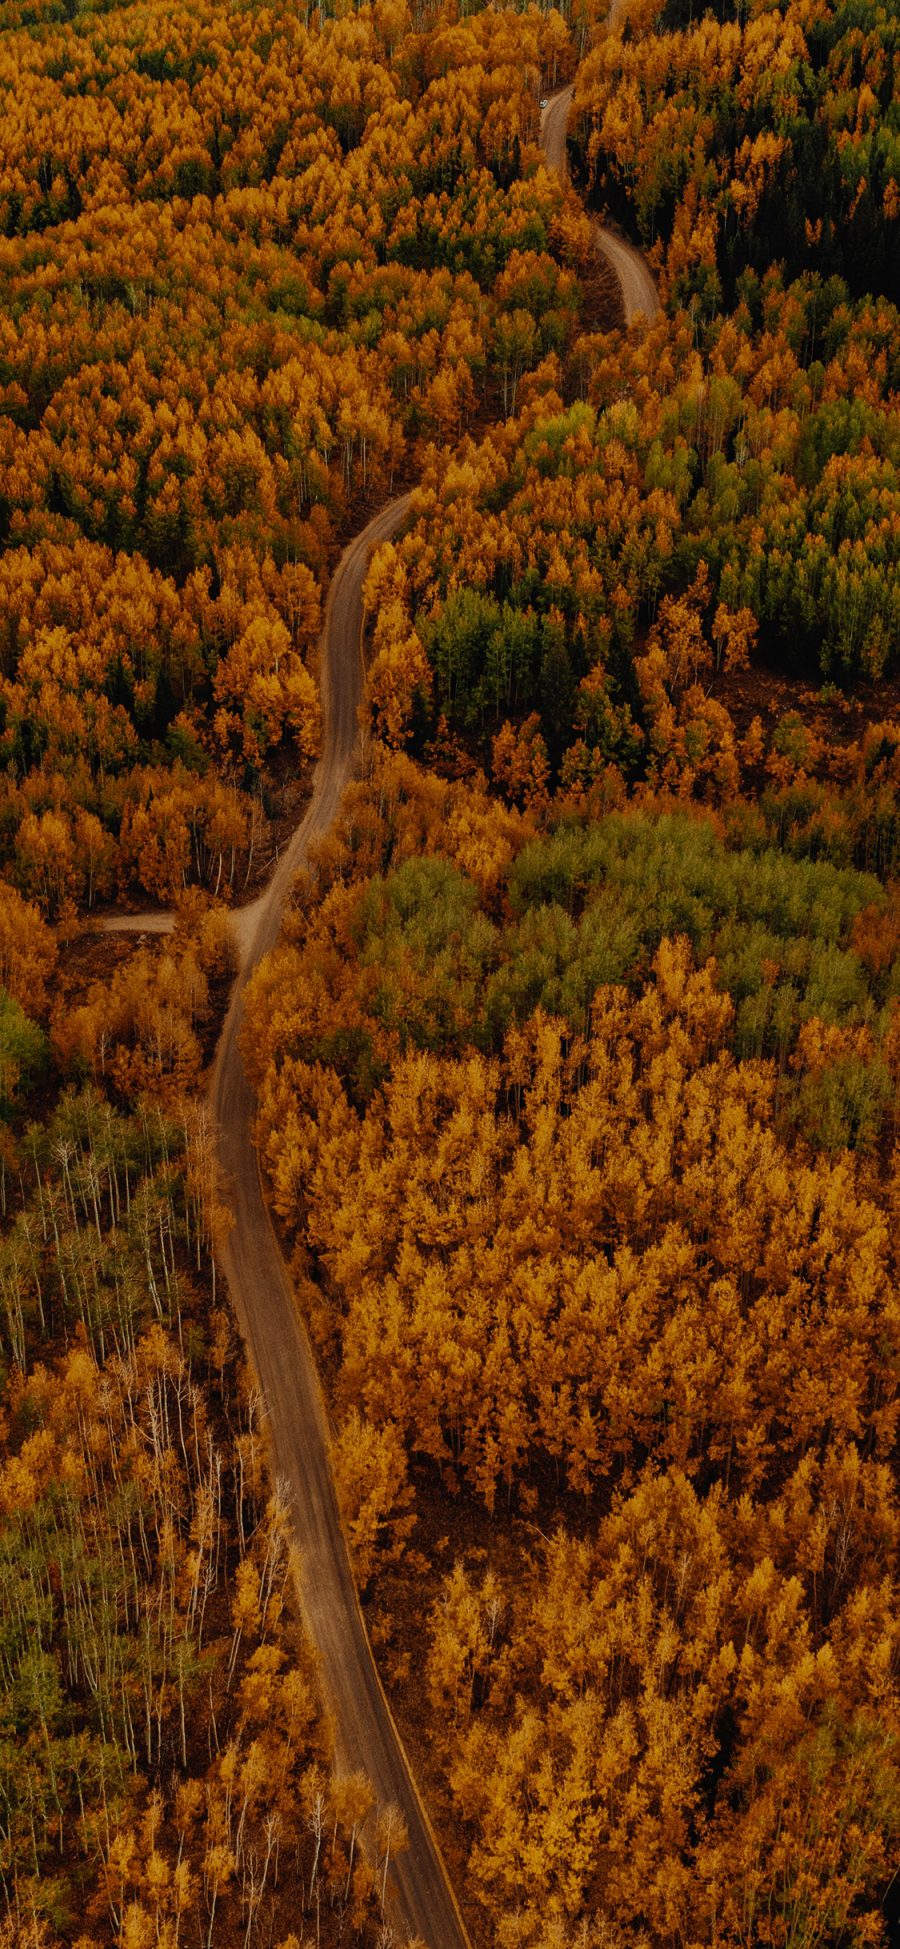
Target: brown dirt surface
{"type": "Point", "coordinates": [839, 717]}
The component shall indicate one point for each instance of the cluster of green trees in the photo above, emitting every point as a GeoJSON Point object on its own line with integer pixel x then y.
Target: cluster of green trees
{"type": "Point", "coordinates": [430, 957]}
{"type": "Point", "coordinates": [753, 478]}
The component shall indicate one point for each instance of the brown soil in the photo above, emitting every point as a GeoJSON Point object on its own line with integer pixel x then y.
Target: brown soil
{"type": "Point", "coordinates": [838, 717]}
{"type": "Point", "coordinates": [450, 1529]}
{"type": "Point", "coordinates": [93, 956]}
{"type": "Point", "coordinates": [603, 297]}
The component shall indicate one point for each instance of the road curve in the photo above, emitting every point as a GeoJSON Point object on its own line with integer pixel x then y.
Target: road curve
{"type": "Point", "coordinates": [423, 1904]}
{"type": "Point", "coordinates": [366, 1739]}
{"type": "Point", "coordinates": [639, 293]}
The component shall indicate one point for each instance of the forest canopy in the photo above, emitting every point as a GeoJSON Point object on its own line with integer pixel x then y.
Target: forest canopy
{"type": "Point", "coordinates": [577, 1063]}
{"type": "Point", "coordinates": [586, 1139]}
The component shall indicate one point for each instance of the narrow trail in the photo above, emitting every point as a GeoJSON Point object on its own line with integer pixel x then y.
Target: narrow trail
{"type": "Point", "coordinates": [423, 1903]}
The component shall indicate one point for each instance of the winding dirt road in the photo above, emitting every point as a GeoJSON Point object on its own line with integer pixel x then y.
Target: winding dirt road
{"type": "Point", "coordinates": [423, 1904]}
{"type": "Point", "coordinates": [639, 294]}
{"type": "Point", "coordinates": [366, 1739]}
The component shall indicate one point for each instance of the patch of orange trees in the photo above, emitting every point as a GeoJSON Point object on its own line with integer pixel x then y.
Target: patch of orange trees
{"type": "Point", "coordinates": [585, 1131]}
{"type": "Point", "coordinates": [247, 265]}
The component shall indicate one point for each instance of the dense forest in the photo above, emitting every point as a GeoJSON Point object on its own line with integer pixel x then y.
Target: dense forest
{"type": "Point", "coordinates": [248, 269]}
{"type": "Point", "coordinates": [587, 1141]}
{"type": "Point", "coordinates": [577, 1065]}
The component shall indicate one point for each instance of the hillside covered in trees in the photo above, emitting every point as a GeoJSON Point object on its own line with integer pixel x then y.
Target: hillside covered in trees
{"type": "Point", "coordinates": [577, 1065]}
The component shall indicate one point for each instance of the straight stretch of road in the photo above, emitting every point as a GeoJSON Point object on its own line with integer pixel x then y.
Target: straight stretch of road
{"type": "Point", "coordinates": [639, 294]}
{"type": "Point", "coordinates": [423, 1904]}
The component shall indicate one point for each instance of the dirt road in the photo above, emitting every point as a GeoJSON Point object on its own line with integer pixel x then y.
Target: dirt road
{"type": "Point", "coordinates": [638, 289]}
{"type": "Point", "coordinates": [155, 920]}
{"type": "Point", "coordinates": [423, 1902]}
